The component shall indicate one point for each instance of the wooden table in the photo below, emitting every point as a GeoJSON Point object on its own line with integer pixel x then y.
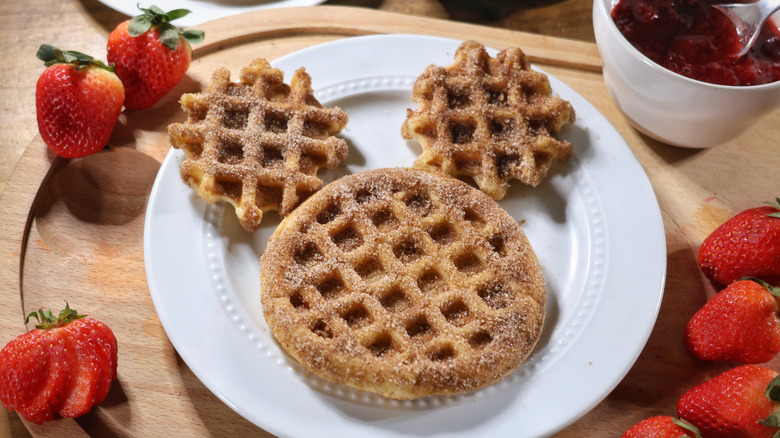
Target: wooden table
{"type": "Point", "coordinates": [696, 191]}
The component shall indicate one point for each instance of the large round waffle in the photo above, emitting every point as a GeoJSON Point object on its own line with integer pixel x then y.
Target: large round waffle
{"type": "Point", "coordinates": [403, 283]}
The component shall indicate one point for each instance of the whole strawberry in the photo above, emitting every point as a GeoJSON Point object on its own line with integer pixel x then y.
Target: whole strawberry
{"type": "Point", "coordinates": [741, 402]}
{"type": "Point", "coordinates": [747, 245]}
{"type": "Point", "coordinates": [151, 55]}
{"type": "Point", "coordinates": [739, 324]}
{"type": "Point", "coordinates": [64, 366]}
{"type": "Point", "coordinates": [78, 101]}
{"type": "Point", "coordinates": [662, 426]}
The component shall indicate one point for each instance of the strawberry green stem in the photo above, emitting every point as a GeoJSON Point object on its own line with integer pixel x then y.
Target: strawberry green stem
{"type": "Point", "coordinates": [51, 55]}
{"type": "Point", "coordinates": [687, 426]}
{"type": "Point", "coordinates": [48, 321]}
{"type": "Point", "coordinates": [153, 16]}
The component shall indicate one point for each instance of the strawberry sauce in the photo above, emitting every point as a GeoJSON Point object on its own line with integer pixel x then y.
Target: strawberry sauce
{"type": "Point", "coordinates": [695, 40]}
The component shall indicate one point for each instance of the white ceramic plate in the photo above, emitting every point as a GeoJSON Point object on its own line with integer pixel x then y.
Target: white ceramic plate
{"type": "Point", "coordinates": [205, 10]}
{"type": "Point", "coordinates": [594, 223]}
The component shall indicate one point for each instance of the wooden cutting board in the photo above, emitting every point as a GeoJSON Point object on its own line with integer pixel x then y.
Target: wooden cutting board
{"type": "Point", "coordinates": [73, 229]}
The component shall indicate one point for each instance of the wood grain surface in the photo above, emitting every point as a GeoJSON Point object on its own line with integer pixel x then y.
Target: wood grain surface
{"type": "Point", "coordinates": [72, 229]}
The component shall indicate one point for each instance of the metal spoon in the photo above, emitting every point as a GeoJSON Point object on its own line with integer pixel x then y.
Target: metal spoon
{"type": "Point", "coordinates": [748, 19]}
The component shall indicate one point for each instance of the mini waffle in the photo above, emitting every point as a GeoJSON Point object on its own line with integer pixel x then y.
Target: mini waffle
{"type": "Point", "coordinates": [403, 283]}
{"type": "Point", "coordinates": [257, 143]}
{"type": "Point", "coordinates": [487, 118]}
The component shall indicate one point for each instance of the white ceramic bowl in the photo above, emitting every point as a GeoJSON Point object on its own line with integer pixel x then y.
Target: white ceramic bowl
{"type": "Point", "coordinates": [669, 107]}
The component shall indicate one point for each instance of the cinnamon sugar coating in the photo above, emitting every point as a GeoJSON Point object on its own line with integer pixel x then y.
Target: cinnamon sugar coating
{"type": "Point", "coordinates": [490, 119]}
{"type": "Point", "coordinates": [403, 283]}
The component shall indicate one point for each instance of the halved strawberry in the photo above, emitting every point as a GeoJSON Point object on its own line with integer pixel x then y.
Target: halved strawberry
{"type": "Point", "coordinates": [48, 351]}
{"type": "Point", "coordinates": [65, 365]}
{"type": "Point", "coordinates": [94, 351]}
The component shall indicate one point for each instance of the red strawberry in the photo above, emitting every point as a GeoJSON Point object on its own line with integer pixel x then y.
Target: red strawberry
{"type": "Point", "coordinates": [78, 101]}
{"type": "Point", "coordinates": [151, 55]}
{"type": "Point", "coordinates": [662, 426]}
{"type": "Point", "coordinates": [34, 375]}
{"type": "Point", "coordinates": [65, 365]}
{"type": "Point", "coordinates": [734, 404]}
{"type": "Point", "coordinates": [747, 245]}
{"type": "Point", "coordinates": [740, 324]}
{"type": "Point", "coordinates": [94, 346]}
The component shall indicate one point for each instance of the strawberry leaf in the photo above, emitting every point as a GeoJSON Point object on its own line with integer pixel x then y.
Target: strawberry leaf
{"type": "Point", "coordinates": [154, 17]}
{"type": "Point", "coordinates": [772, 421]}
{"type": "Point", "coordinates": [177, 13]}
{"type": "Point", "coordinates": [47, 53]}
{"type": "Point", "coordinates": [775, 204]}
{"type": "Point", "coordinates": [194, 36]}
{"type": "Point", "coordinates": [153, 9]}
{"type": "Point", "coordinates": [169, 36]}
{"type": "Point", "coordinates": [773, 389]}
{"type": "Point", "coordinates": [78, 57]}
{"type": "Point", "coordinates": [139, 25]}
{"type": "Point", "coordinates": [51, 55]}
{"type": "Point", "coordinates": [46, 319]}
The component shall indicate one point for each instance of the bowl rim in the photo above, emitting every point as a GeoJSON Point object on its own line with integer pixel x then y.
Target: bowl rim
{"type": "Point", "coordinates": [605, 9]}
